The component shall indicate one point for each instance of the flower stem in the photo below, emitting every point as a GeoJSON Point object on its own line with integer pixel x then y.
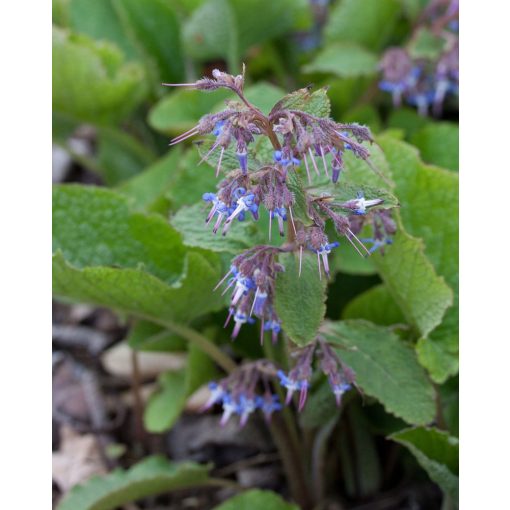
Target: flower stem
{"type": "Point", "coordinates": [286, 437]}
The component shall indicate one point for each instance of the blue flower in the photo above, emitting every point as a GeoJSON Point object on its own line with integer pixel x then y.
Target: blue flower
{"type": "Point", "coordinates": [246, 406]}
{"type": "Point", "coordinates": [339, 389]}
{"type": "Point", "coordinates": [230, 407]}
{"type": "Point", "coordinates": [377, 243]}
{"type": "Point", "coordinates": [269, 403]}
{"type": "Point", "coordinates": [217, 394]}
{"type": "Point", "coordinates": [218, 128]}
{"type": "Point", "coordinates": [240, 318]}
{"type": "Point", "coordinates": [293, 384]}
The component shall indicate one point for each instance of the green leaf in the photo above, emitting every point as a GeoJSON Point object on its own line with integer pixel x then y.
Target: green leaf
{"type": "Point", "coordinates": [150, 337]}
{"type": "Point", "coordinates": [385, 368]}
{"type": "Point", "coordinates": [437, 453]}
{"type": "Point", "coordinates": [344, 60]}
{"type": "Point", "coordinates": [155, 30]}
{"type": "Point", "coordinates": [94, 227]}
{"type": "Point", "coordinates": [99, 20]}
{"type": "Point", "coordinates": [429, 197]}
{"type": "Point", "coordinates": [132, 262]}
{"type": "Point", "coordinates": [299, 300]}
{"type": "Point", "coordinates": [411, 279]}
{"type": "Point", "coordinates": [439, 144]}
{"type": "Point", "coordinates": [375, 305]}
{"type": "Point", "coordinates": [256, 500]}
{"type": "Point", "coordinates": [367, 22]}
{"type": "Point", "coordinates": [120, 156]}
{"type": "Point", "coordinates": [137, 292]}
{"type": "Point", "coordinates": [426, 44]}
{"type": "Point", "coordinates": [190, 221]}
{"type": "Point", "coordinates": [316, 103]}
{"type": "Point", "coordinates": [152, 476]}
{"type": "Point", "coordinates": [90, 80]}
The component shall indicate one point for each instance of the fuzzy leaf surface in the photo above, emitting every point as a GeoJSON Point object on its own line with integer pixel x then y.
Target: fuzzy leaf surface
{"type": "Point", "coordinates": [315, 103]}
{"type": "Point", "coordinates": [385, 368]}
{"type": "Point", "coordinates": [430, 201]}
{"type": "Point", "coordinates": [299, 300]}
{"type": "Point", "coordinates": [132, 262]}
{"type": "Point", "coordinates": [190, 221]}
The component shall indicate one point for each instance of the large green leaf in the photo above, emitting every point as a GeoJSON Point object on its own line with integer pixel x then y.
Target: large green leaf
{"type": "Point", "coordinates": [155, 30]}
{"type": "Point", "coordinates": [299, 300]}
{"type": "Point", "coordinates": [366, 22]}
{"type": "Point", "coordinates": [94, 227]}
{"type": "Point", "coordinates": [422, 295]}
{"type": "Point", "coordinates": [439, 144]}
{"type": "Point", "coordinates": [137, 292]}
{"type": "Point", "coordinates": [190, 221]}
{"type": "Point", "coordinates": [152, 476]}
{"type": "Point", "coordinates": [344, 60]}
{"type": "Point", "coordinates": [91, 82]}
{"type": "Point", "coordinates": [429, 197]}
{"type": "Point", "coordinates": [256, 500]}
{"type": "Point", "coordinates": [132, 262]}
{"type": "Point", "coordinates": [437, 453]}
{"type": "Point", "coordinates": [385, 368]}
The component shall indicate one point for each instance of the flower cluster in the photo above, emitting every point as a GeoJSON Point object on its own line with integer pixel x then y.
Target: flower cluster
{"type": "Point", "coordinates": [419, 79]}
{"type": "Point", "coordinates": [300, 141]}
{"type": "Point", "coordinates": [252, 276]}
{"type": "Point", "coordinates": [340, 377]}
{"type": "Point", "coordinates": [237, 393]}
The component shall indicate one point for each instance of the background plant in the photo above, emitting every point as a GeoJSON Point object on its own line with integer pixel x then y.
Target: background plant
{"type": "Point", "coordinates": [394, 316]}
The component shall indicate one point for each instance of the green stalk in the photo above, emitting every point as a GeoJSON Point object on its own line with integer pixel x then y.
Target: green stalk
{"type": "Point", "coordinates": [286, 437]}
